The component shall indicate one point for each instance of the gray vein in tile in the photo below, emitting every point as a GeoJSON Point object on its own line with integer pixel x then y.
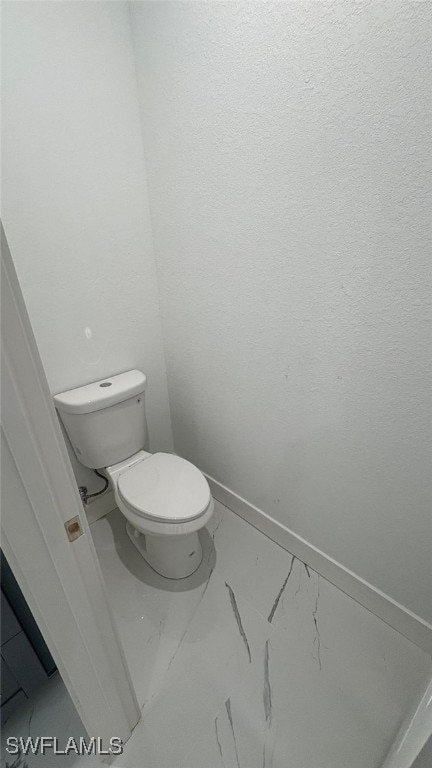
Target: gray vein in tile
{"type": "Point", "coordinates": [178, 645]}
{"type": "Point", "coordinates": [190, 620]}
{"type": "Point", "coordinates": [270, 737]}
{"type": "Point", "coordinates": [279, 594]}
{"type": "Point", "coordinates": [267, 694]}
{"type": "Point", "coordinates": [218, 741]}
{"type": "Point", "coordinates": [273, 748]}
{"type": "Point", "coordinates": [238, 619]}
{"type": "Point", "coordinates": [148, 701]}
{"type": "Point", "coordinates": [156, 633]}
{"type": "Point", "coordinates": [214, 532]}
{"type": "Point", "coordinates": [30, 720]}
{"type": "Point", "coordinates": [317, 639]}
{"type": "Point", "coordinates": [229, 713]}
{"type": "Point", "coordinates": [299, 585]}
{"type": "Point", "coordinates": [19, 761]}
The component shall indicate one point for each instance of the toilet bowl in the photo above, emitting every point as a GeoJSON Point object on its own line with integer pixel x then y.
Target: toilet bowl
{"type": "Point", "coordinates": [166, 500]}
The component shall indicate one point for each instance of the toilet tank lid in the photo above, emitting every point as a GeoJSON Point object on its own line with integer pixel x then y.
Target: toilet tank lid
{"type": "Point", "coordinates": [101, 394]}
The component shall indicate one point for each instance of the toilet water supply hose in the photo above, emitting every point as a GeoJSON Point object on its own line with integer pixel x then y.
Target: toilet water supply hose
{"type": "Point", "coordinates": [83, 490]}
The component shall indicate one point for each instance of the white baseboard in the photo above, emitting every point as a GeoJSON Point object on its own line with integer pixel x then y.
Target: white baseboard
{"type": "Point", "coordinates": [397, 616]}
{"type": "Point", "coordinates": [100, 506]}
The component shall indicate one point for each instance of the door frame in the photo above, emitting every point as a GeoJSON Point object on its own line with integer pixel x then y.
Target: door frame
{"type": "Point", "coordinates": [61, 579]}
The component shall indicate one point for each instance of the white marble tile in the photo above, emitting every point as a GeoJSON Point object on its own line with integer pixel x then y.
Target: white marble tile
{"type": "Point", "coordinates": [253, 564]}
{"type": "Point", "coordinates": [49, 712]}
{"type": "Point", "coordinates": [152, 613]}
{"type": "Point", "coordinates": [173, 719]}
{"type": "Point", "coordinates": [322, 695]}
{"type": "Point", "coordinates": [367, 660]}
{"type": "Point", "coordinates": [255, 661]}
{"type": "Point", "coordinates": [226, 631]}
{"type": "Point", "coordinates": [287, 713]}
{"type": "Point", "coordinates": [323, 621]}
{"type": "Point", "coordinates": [163, 631]}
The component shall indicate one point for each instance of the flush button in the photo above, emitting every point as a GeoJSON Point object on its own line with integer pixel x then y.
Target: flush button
{"type": "Point", "coordinates": [106, 384]}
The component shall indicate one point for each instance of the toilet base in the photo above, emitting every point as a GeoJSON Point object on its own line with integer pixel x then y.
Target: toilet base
{"type": "Point", "coordinates": [174, 557]}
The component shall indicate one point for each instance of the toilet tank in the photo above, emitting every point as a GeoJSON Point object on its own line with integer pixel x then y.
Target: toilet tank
{"type": "Point", "coordinates": [105, 421]}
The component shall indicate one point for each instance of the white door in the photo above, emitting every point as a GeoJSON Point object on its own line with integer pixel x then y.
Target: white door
{"type": "Point", "coordinates": [60, 579]}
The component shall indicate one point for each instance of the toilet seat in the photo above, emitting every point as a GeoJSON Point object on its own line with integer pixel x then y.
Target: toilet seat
{"type": "Point", "coordinates": [164, 488]}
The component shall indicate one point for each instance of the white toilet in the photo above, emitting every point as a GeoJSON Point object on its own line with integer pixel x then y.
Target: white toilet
{"type": "Point", "coordinates": [165, 499]}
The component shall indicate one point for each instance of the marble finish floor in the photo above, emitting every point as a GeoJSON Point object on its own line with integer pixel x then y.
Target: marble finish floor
{"type": "Point", "coordinates": [48, 712]}
{"type": "Point", "coordinates": [255, 661]}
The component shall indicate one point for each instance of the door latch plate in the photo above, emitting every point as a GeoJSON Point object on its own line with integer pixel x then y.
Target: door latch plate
{"type": "Point", "coordinates": [73, 528]}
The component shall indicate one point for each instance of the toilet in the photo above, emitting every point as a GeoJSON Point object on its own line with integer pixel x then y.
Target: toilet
{"type": "Point", "coordinates": [165, 499]}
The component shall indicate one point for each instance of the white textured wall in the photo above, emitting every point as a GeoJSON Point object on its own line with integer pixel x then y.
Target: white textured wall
{"type": "Point", "coordinates": [287, 148]}
{"type": "Point", "coordinates": [75, 206]}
